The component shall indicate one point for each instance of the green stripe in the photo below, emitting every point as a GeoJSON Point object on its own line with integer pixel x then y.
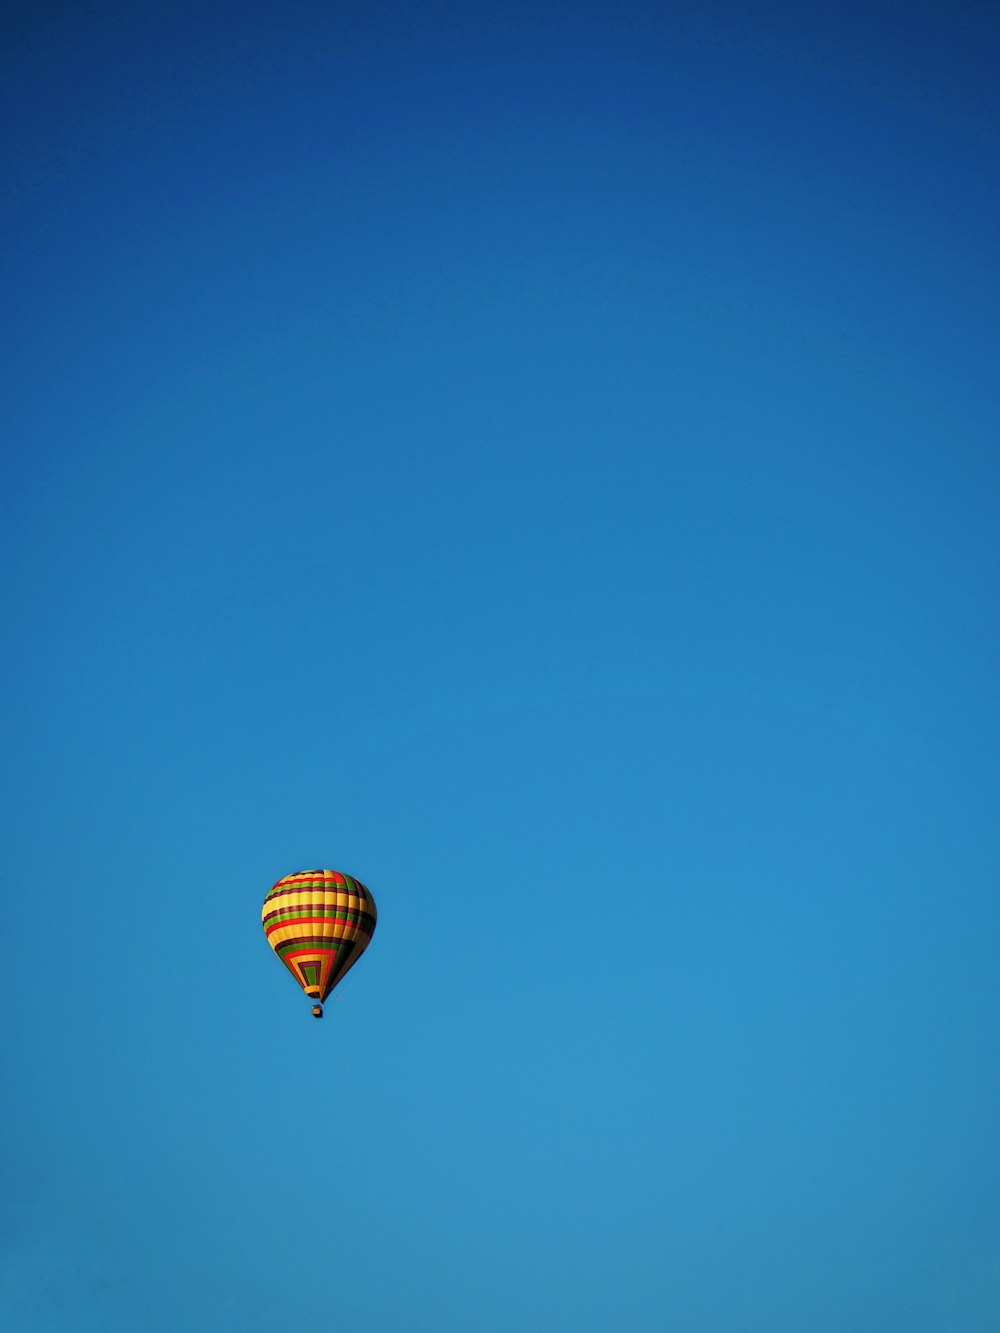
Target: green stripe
{"type": "Point", "coordinates": [335, 947]}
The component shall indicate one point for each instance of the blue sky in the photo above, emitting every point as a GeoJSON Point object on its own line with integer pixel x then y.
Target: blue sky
{"type": "Point", "coordinates": [542, 460]}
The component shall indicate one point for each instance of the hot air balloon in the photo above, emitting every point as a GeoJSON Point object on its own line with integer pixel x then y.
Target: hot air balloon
{"type": "Point", "coordinates": [319, 923]}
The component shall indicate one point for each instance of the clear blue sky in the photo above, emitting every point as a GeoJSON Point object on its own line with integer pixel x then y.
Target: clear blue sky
{"type": "Point", "coordinates": [541, 459]}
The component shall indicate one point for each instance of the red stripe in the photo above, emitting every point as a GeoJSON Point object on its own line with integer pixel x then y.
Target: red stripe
{"type": "Point", "coordinates": [297, 953]}
{"type": "Point", "coordinates": [307, 921]}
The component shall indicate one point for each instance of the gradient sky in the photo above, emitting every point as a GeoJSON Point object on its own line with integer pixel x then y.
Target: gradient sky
{"type": "Point", "coordinates": [543, 460]}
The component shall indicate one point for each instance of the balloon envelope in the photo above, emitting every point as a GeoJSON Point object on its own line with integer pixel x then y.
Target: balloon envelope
{"type": "Point", "coordinates": [319, 923]}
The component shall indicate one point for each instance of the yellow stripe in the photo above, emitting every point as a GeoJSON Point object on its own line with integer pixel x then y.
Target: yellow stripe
{"type": "Point", "coordinates": [318, 898]}
{"type": "Point", "coordinates": [295, 929]}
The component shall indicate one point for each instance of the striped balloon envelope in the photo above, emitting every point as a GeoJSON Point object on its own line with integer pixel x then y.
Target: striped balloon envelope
{"type": "Point", "coordinates": [319, 923]}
